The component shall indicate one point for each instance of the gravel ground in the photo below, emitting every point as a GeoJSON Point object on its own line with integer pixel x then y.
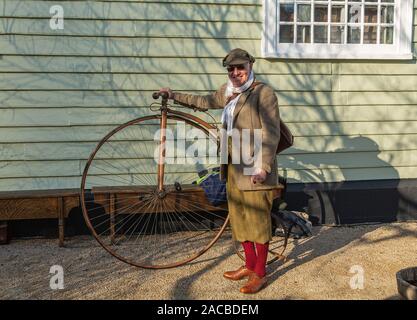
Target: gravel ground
{"type": "Point", "coordinates": [318, 268]}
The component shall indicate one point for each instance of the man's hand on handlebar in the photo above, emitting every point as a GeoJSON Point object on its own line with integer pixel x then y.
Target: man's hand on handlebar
{"type": "Point", "coordinates": [167, 90]}
{"type": "Point", "coordinates": [167, 93]}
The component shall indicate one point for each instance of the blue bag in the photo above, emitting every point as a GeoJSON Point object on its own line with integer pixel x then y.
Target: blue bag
{"type": "Point", "coordinates": [214, 188]}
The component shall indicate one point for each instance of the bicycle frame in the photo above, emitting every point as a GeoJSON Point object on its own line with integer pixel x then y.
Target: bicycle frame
{"type": "Point", "coordinates": [207, 127]}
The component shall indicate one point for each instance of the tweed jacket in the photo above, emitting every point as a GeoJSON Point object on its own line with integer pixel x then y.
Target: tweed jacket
{"type": "Point", "coordinates": [257, 108]}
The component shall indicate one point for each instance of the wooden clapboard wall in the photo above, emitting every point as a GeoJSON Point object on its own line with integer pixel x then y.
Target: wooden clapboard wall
{"type": "Point", "coordinates": [61, 90]}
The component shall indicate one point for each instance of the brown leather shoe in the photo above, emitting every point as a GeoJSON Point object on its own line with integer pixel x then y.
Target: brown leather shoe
{"type": "Point", "coordinates": [254, 284]}
{"type": "Point", "coordinates": [238, 274]}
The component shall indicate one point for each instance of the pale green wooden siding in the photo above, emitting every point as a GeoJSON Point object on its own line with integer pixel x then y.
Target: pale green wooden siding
{"type": "Point", "coordinates": [60, 91]}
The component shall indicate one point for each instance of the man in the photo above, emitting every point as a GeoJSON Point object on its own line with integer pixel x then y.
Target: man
{"type": "Point", "coordinates": [253, 106]}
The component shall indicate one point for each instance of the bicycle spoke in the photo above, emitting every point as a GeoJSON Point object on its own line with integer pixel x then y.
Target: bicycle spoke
{"type": "Point", "coordinates": [150, 227]}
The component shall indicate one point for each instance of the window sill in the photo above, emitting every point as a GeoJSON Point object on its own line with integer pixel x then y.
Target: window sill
{"type": "Point", "coordinates": [338, 55]}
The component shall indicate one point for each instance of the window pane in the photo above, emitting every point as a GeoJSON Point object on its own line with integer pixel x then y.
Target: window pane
{"type": "Point", "coordinates": [369, 34]}
{"type": "Point", "coordinates": [354, 13]}
{"type": "Point", "coordinates": [387, 14]}
{"type": "Point", "coordinates": [286, 12]}
{"type": "Point", "coordinates": [303, 13]}
{"type": "Point", "coordinates": [320, 13]}
{"type": "Point", "coordinates": [338, 13]}
{"type": "Point", "coordinates": [354, 35]}
{"type": "Point", "coordinates": [371, 14]}
{"type": "Point", "coordinates": [286, 34]}
{"type": "Point", "coordinates": [320, 34]}
{"type": "Point", "coordinates": [337, 34]}
{"type": "Point", "coordinates": [303, 34]}
{"type": "Point", "coordinates": [387, 35]}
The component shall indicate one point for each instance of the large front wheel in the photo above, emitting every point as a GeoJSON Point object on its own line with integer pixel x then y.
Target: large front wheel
{"type": "Point", "coordinates": [126, 209]}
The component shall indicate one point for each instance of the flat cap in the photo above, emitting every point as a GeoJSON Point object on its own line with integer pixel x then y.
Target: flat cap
{"type": "Point", "coordinates": [237, 56]}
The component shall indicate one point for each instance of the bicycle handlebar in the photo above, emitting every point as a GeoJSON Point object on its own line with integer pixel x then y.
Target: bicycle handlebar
{"type": "Point", "coordinates": [165, 96]}
{"type": "Point", "coordinates": [156, 95]}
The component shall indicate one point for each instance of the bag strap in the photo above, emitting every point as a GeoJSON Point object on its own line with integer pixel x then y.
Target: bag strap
{"type": "Point", "coordinates": [234, 95]}
{"type": "Point", "coordinates": [255, 83]}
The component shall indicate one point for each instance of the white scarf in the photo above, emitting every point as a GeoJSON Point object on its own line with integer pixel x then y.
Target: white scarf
{"type": "Point", "coordinates": [230, 90]}
{"type": "Point", "coordinates": [227, 115]}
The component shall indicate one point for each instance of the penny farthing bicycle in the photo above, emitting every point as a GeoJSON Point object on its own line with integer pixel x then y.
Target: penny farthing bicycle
{"type": "Point", "coordinates": [138, 192]}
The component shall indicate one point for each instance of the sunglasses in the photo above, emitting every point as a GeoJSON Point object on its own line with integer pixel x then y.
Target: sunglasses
{"type": "Point", "coordinates": [238, 67]}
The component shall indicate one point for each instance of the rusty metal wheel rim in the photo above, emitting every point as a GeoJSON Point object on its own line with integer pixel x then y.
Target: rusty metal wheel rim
{"type": "Point", "coordinates": [201, 125]}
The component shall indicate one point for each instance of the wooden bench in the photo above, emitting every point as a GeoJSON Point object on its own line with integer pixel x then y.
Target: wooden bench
{"type": "Point", "coordinates": [39, 204]}
{"type": "Point", "coordinates": [110, 199]}
{"type": "Point", "coordinates": [57, 204]}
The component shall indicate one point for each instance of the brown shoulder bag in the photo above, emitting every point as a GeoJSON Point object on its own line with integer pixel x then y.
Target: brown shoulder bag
{"type": "Point", "coordinates": [286, 138]}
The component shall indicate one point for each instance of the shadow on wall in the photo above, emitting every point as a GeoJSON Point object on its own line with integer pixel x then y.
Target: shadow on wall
{"type": "Point", "coordinates": [347, 202]}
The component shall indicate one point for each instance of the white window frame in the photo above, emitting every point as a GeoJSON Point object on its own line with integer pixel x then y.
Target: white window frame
{"type": "Point", "coordinates": [401, 49]}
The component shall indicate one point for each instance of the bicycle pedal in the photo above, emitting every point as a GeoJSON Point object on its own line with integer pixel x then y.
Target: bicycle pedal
{"type": "Point", "coordinates": [177, 186]}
